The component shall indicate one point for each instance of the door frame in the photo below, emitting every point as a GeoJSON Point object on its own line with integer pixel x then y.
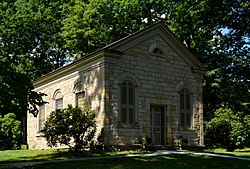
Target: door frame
{"type": "Point", "coordinates": [158, 109]}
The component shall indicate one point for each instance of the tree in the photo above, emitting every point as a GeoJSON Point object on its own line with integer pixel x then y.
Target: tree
{"type": "Point", "coordinates": [38, 36]}
{"type": "Point", "coordinates": [64, 125]}
{"type": "Point", "coordinates": [10, 132]}
{"type": "Point", "coordinates": [217, 32]}
{"type": "Point", "coordinates": [228, 129]}
{"type": "Point", "coordinates": [17, 93]}
{"type": "Point", "coordinates": [92, 24]}
{"type": "Point", "coordinates": [30, 35]}
{"type": "Point", "coordinates": [30, 46]}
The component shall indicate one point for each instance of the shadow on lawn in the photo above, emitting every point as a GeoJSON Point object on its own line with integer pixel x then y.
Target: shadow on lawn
{"type": "Point", "coordinates": [63, 155]}
{"type": "Point", "coordinates": [168, 161]}
{"type": "Point", "coordinates": [43, 156]}
{"type": "Point", "coordinates": [244, 151]}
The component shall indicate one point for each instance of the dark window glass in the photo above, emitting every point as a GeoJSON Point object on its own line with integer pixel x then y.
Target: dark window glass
{"type": "Point", "coordinates": [124, 95]}
{"type": "Point", "coordinates": [182, 101]}
{"type": "Point", "coordinates": [124, 115]}
{"type": "Point", "coordinates": [187, 101]}
{"type": "Point", "coordinates": [188, 120]}
{"type": "Point", "coordinates": [131, 116]}
{"type": "Point", "coordinates": [182, 119]}
{"type": "Point", "coordinates": [131, 96]}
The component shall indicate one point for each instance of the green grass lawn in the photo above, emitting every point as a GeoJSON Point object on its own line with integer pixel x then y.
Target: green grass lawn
{"type": "Point", "coordinates": [166, 162]}
{"type": "Point", "coordinates": [238, 152]}
{"type": "Point", "coordinates": [11, 156]}
{"type": "Point", "coordinates": [30, 155]}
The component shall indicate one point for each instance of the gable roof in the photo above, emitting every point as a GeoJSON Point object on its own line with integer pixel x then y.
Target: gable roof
{"type": "Point", "coordinates": [116, 48]}
{"type": "Point", "coordinates": [158, 28]}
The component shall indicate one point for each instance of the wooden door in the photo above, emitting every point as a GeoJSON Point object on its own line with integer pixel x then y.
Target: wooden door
{"type": "Point", "coordinates": [157, 125]}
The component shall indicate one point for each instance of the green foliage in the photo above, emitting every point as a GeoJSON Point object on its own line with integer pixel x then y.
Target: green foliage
{"type": "Point", "coordinates": [39, 36]}
{"type": "Point", "coordinates": [93, 24]}
{"type": "Point", "coordinates": [90, 25]}
{"type": "Point", "coordinates": [10, 132]}
{"type": "Point", "coordinates": [223, 28]}
{"type": "Point", "coordinates": [65, 125]}
{"type": "Point", "coordinates": [228, 129]}
{"type": "Point", "coordinates": [144, 141]}
{"type": "Point", "coordinates": [180, 141]}
{"type": "Point", "coordinates": [30, 46]}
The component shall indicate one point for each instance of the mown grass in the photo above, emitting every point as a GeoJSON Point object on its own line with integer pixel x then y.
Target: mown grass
{"type": "Point", "coordinates": [29, 155]}
{"type": "Point", "coordinates": [11, 156]}
{"type": "Point", "coordinates": [238, 152]}
{"type": "Point", "coordinates": [168, 162]}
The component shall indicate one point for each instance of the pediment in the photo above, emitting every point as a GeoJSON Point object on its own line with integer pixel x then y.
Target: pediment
{"type": "Point", "coordinates": [152, 36]}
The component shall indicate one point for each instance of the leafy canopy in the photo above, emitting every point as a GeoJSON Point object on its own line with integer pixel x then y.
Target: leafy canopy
{"type": "Point", "coordinates": [30, 46]}
{"type": "Point", "coordinates": [38, 36]}
{"type": "Point", "coordinates": [216, 31]}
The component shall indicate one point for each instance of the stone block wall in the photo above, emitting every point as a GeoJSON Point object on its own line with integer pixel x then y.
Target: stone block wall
{"type": "Point", "coordinates": [159, 77]}
{"type": "Point", "coordinates": [93, 81]}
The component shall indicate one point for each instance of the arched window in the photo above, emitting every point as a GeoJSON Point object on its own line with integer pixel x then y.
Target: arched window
{"type": "Point", "coordinates": [127, 102]}
{"type": "Point", "coordinates": [58, 100]}
{"type": "Point", "coordinates": [185, 108]}
{"type": "Point", "coordinates": [157, 51]}
{"type": "Point", "coordinates": [80, 96]}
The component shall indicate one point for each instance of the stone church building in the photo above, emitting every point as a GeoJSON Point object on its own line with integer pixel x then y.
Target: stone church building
{"type": "Point", "coordinates": [146, 84]}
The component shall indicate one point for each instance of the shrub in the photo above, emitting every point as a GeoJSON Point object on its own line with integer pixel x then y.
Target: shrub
{"type": "Point", "coordinates": [68, 125]}
{"type": "Point", "coordinates": [228, 129]}
{"type": "Point", "coordinates": [144, 141]}
{"type": "Point", "coordinates": [10, 132]}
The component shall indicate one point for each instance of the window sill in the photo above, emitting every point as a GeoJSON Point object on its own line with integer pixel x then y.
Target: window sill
{"type": "Point", "coordinates": [128, 125]}
{"type": "Point", "coordinates": [185, 129]}
{"type": "Point", "coordinates": [39, 135]}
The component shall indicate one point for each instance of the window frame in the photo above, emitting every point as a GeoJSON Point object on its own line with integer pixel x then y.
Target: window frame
{"type": "Point", "coordinates": [77, 94]}
{"type": "Point", "coordinates": [128, 85]}
{"type": "Point", "coordinates": [58, 96]}
{"type": "Point", "coordinates": [56, 103]}
{"type": "Point", "coordinates": [78, 90]}
{"type": "Point", "coordinates": [185, 108]}
{"type": "Point", "coordinates": [40, 113]}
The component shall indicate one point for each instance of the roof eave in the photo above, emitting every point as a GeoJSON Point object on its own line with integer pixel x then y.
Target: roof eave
{"type": "Point", "coordinates": [76, 64]}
